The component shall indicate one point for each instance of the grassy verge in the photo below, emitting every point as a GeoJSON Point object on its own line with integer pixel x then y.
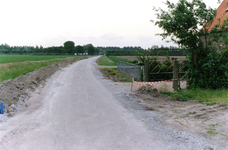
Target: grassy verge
{"type": "Point", "coordinates": [114, 75]}
{"type": "Point", "coordinates": [105, 61]}
{"type": "Point", "coordinates": [15, 70]}
{"type": "Point", "coordinates": [205, 96]}
{"type": "Point", "coordinates": [111, 60]}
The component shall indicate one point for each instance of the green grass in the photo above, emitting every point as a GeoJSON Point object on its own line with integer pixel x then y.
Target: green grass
{"type": "Point", "coordinates": [105, 61]}
{"type": "Point", "coordinates": [205, 96]}
{"type": "Point", "coordinates": [15, 70]}
{"type": "Point", "coordinates": [22, 58]}
{"type": "Point", "coordinates": [115, 59]}
{"type": "Point", "coordinates": [212, 129]}
{"type": "Point", "coordinates": [111, 60]}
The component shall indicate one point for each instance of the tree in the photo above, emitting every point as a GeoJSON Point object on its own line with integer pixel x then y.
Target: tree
{"type": "Point", "coordinates": [69, 47]}
{"type": "Point", "coordinates": [79, 49]}
{"type": "Point", "coordinates": [97, 51]}
{"type": "Point", "coordinates": [90, 48]}
{"type": "Point", "coordinates": [185, 22]}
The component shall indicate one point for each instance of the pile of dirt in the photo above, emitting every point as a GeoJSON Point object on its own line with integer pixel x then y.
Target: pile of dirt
{"type": "Point", "coordinates": [13, 92]}
{"type": "Point", "coordinates": [149, 90]}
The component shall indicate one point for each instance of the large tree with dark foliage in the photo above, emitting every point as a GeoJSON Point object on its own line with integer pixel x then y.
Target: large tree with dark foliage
{"type": "Point", "coordinates": [79, 49]}
{"type": "Point", "coordinates": [90, 48]}
{"type": "Point", "coordinates": [69, 47]}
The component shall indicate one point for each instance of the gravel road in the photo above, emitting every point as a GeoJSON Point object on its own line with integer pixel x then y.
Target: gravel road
{"type": "Point", "coordinates": [78, 109]}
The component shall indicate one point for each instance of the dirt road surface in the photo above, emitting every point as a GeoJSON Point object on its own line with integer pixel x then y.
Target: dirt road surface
{"type": "Point", "coordinates": [79, 109]}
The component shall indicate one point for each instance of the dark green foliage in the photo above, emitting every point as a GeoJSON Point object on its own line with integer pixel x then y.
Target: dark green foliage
{"type": "Point", "coordinates": [90, 48]}
{"type": "Point", "coordinates": [212, 70]}
{"type": "Point", "coordinates": [151, 52]}
{"type": "Point", "coordinates": [69, 47]}
{"type": "Point", "coordinates": [183, 23]}
{"type": "Point", "coordinates": [79, 49]}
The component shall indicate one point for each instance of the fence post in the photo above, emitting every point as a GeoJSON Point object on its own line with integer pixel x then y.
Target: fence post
{"type": "Point", "coordinates": [146, 69]}
{"type": "Point", "coordinates": [175, 74]}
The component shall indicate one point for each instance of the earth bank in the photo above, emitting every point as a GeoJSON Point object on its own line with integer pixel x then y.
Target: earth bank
{"type": "Point", "coordinates": [13, 93]}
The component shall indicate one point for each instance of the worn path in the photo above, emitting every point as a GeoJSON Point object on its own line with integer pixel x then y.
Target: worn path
{"type": "Point", "coordinates": [76, 111]}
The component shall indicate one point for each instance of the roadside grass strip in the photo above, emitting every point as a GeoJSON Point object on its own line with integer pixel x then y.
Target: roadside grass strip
{"type": "Point", "coordinates": [204, 96]}
{"type": "Point", "coordinates": [15, 70]}
{"type": "Point", "coordinates": [111, 60]}
{"type": "Point", "coordinates": [104, 61]}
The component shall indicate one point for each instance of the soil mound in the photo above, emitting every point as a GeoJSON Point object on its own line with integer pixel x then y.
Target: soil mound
{"type": "Point", "coordinates": [13, 92]}
{"type": "Point", "coordinates": [148, 90]}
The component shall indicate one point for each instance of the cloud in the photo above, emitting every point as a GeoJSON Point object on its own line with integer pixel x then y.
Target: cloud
{"type": "Point", "coordinates": [111, 36]}
{"type": "Point", "coordinates": [145, 38]}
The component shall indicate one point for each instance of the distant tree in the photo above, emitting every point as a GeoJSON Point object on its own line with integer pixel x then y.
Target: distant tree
{"type": "Point", "coordinates": [97, 51]}
{"type": "Point", "coordinates": [79, 49]}
{"type": "Point", "coordinates": [90, 48]}
{"type": "Point", "coordinates": [69, 47]}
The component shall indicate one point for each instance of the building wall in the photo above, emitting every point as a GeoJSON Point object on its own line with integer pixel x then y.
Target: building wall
{"type": "Point", "coordinates": [217, 45]}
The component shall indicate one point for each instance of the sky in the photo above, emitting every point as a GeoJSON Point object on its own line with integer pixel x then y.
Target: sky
{"type": "Point", "coordinates": [99, 22]}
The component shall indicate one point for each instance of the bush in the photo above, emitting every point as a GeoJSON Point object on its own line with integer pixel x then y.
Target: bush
{"type": "Point", "coordinates": [212, 71]}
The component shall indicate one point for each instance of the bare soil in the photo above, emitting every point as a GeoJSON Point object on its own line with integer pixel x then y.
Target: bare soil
{"type": "Point", "coordinates": [208, 121]}
{"type": "Point", "coordinates": [13, 93]}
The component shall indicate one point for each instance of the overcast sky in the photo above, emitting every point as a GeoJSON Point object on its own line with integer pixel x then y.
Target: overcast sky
{"type": "Point", "coordinates": [99, 22]}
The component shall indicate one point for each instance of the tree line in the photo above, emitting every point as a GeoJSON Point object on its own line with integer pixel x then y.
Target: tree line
{"type": "Point", "coordinates": [115, 48]}
{"type": "Point", "coordinates": [67, 48]}
{"type": "Point", "coordinates": [155, 50]}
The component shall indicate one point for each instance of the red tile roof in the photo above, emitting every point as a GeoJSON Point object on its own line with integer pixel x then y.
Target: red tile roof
{"type": "Point", "coordinates": [221, 13]}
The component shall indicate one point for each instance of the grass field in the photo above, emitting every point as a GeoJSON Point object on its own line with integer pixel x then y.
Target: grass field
{"type": "Point", "coordinates": [21, 58]}
{"type": "Point", "coordinates": [15, 70]}
{"type": "Point", "coordinates": [15, 65]}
